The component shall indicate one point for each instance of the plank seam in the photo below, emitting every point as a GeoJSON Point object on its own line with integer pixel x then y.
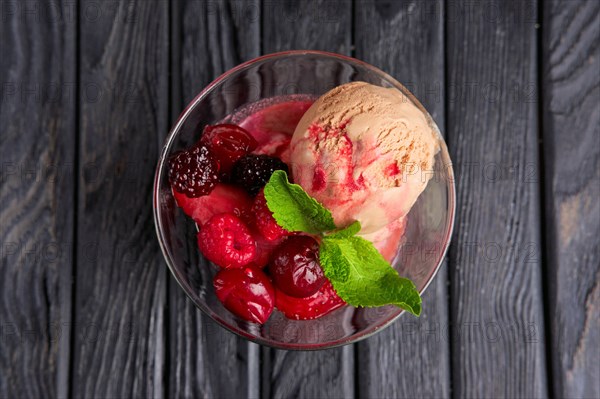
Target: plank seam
{"type": "Point", "coordinates": [166, 375]}
{"type": "Point", "coordinates": [353, 29]}
{"type": "Point", "coordinates": [174, 94]}
{"type": "Point", "coordinates": [449, 255]}
{"type": "Point", "coordinates": [76, 158]}
{"type": "Point", "coordinates": [545, 278]}
{"type": "Point", "coordinates": [261, 28]}
{"type": "Point", "coordinates": [445, 127]}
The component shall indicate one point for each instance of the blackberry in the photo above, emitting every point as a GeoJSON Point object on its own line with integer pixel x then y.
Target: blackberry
{"type": "Point", "coordinates": [252, 172]}
{"type": "Point", "coordinates": [194, 172]}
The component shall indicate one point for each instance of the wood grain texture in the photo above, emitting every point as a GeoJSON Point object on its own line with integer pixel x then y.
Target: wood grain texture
{"type": "Point", "coordinates": [405, 40]}
{"type": "Point", "coordinates": [307, 24]}
{"type": "Point", "coordinates": [316, 25]}
{"type": "Point", "coordinates": [321, 374]}
{"type": "Point", "coordinates": [209, 38]}
{"type": "Point", "coordinates": [37, 115]}
{"type": "Point", "coordinates": [496, 294]}
{"type": "Point", "coordinates": [121, 278]}
{"type": "Point", "coordinates": [571, 122]}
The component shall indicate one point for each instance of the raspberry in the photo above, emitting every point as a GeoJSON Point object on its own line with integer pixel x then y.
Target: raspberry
{"type": "Point", "coordinates": [264, 220]}
{"type": "Point", "coordinates": [226, 241]}
{"type": "Point", "coordinates": [246, 292]}
{"type": "Point", "coordinates": [194, 172]}
{"type": "Point", "coordinates": [228, 143]}
{"type": "Point", "coordinates": [252, 172]}
{"type": "Point", "coordinates": [295, 267]}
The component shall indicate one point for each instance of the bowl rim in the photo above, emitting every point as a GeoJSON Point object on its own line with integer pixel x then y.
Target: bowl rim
{"type": "Point", "coordinates": [356, 337]}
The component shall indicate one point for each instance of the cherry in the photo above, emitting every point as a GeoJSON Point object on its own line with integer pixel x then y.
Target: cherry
{"type": "Point", "coordinates": [295, 267]}
{"type": "Point", "coordinates": [228, 143]}
{"type": "Point", "coordinates": [246, 292]}
{"type": "Point", "coordinates": [317, 305]}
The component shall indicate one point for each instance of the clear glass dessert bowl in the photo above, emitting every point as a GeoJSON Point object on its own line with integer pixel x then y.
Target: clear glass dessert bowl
{"type": "Point", "coordinates": [420, 251]}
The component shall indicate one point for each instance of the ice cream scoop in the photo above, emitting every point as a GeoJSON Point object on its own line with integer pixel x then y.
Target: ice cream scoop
{"type": "Point", "coordinates": [366, 153]}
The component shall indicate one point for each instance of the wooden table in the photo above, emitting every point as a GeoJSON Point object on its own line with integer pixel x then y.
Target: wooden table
{"type": "Point", "coordinates": [89, 91]}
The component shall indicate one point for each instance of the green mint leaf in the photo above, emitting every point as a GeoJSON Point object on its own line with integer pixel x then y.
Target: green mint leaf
{"type": "Point", "coordinates": [357, 271]}
{"type": "Point", "coordinates": [347, 231]}
{"type": "Point", "coordinates": [293, 209]}
{"type": "Point", "coordinates": [371, 281]}
{"type": "Point", "coordinates": [332, 260]}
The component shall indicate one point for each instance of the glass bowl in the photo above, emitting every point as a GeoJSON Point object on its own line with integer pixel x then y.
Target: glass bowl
{"type": "Point", "coordinates": [420, 253]}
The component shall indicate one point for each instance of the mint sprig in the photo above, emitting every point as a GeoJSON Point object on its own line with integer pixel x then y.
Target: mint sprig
{"type": "Point", "coordinates": [349, 231]}
{"type": "Point", "coordinates": [357, 271]}
{"type": "Point", "coordinates": [334, 262]}
{"type": "Point", "coordinates": [295, 210]}
{"type": "Point", "coordinates": [370, 280]}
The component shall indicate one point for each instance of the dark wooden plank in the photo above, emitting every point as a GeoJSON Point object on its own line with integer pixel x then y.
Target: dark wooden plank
{"type": "Point", "coordinates": [121, 278]}
{"type": "Point", "coordinates": [37, 115]}
{"type": "Point", "coordinates": [571, 136]}
{"type": "Point", "coordinates": [316, 25]}
{"type": "Point", "coordinates": [322, 374]}
{"type": "Point", "coordinates": [410, 359]}
{"type": "Point", "coordinates": [208, 38]}
{"type": "Point", "coordinates": [307, 24]}
{"type": "Point", "coordinates": [496, 294]}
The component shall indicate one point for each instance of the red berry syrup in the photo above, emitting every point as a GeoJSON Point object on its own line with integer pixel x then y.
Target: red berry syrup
{"type": "Point", "coordinates": [236, 229]}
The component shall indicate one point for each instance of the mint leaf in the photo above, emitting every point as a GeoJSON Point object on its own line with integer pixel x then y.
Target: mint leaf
{"type": "Point", "coordinates": [347, 231]}
{"type": "Point", "coordinates": [371, 281]}
{"type": "Point", "coordinates": [293, 209]}
{"type": "Point", "coordinates": [357, 271]}
{"type": "Point", "coordinates": [332, 260]}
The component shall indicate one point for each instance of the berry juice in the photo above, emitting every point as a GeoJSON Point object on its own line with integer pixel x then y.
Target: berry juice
{"type": "Point", "coordinates": [219, 181]}
{"type": "Point", "coordinates": [272, 121]}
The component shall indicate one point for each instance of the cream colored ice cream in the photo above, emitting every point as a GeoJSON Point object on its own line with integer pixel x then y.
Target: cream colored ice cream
{"type": "Point", "coordinates": [366, 153]}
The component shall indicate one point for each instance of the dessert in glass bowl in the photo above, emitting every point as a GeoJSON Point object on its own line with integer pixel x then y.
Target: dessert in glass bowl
{"type": "Point", "coordinates": [298, 205]}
